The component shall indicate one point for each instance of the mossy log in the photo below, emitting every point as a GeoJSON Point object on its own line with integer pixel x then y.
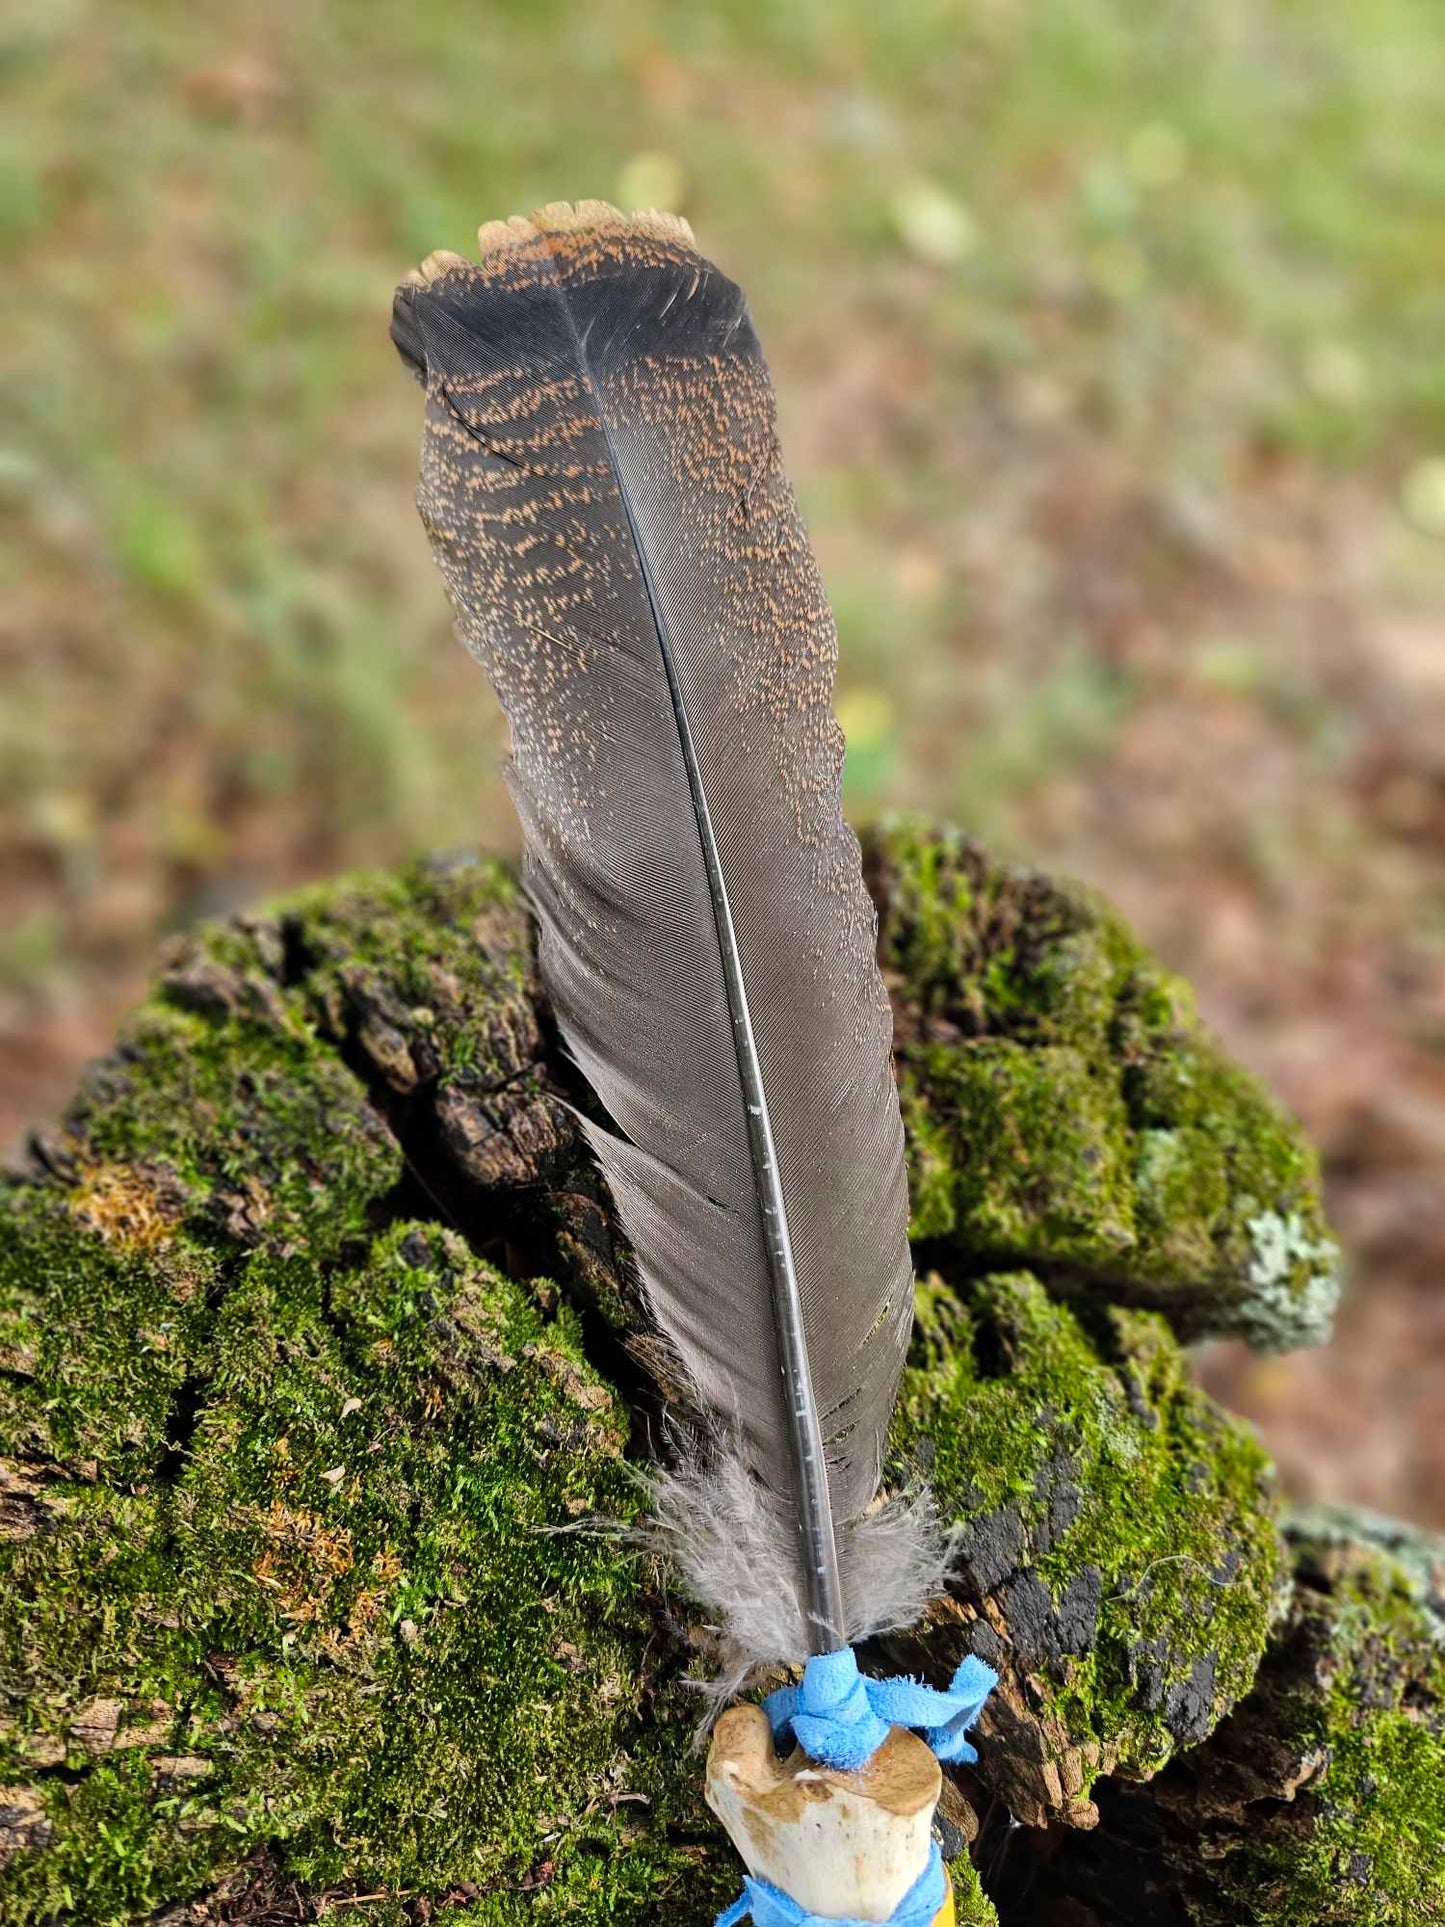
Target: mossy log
{"type": "Point", "coordinates": [322, 1386]}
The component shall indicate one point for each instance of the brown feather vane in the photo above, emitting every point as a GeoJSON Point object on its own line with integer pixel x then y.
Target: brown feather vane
{"type": "Point", "coordinates": [602, 487]}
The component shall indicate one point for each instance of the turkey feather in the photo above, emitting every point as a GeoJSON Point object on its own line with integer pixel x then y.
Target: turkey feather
{"type": "Point", "coordinates": [602, 487]}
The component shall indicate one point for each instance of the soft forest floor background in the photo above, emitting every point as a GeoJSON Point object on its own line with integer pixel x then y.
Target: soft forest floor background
{"type": "Point", "coordinates": [1111, 345]}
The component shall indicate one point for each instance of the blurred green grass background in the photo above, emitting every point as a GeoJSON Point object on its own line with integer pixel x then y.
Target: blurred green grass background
{"type": "Point", "coordinates": [1109, 344]}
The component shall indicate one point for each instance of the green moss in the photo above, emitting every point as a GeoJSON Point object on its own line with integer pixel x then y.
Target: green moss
{"type": "Point", "coordinates": [1116, 1529]}
{"type": "Point", "coordinates": [101, 1322]}
{"type": "Point", "coordinates": [1067, 1109]}
{"type": "Point", "coordinates": [425, 981]}
{"type": "Point", "coordinates": [1360, 1698]}
{"type": "Point", "coordinates": [347, 1630]}
{"type": "Point", "coordinates": [259, 1132]}
{"type": "Point", "coordinates": [1045, 1178]}
{"type": "Point", "coordinates": [971, 1906]}
{"type": "Point", "coordinates": [1320, 1801]}
{"type": "Point", "coordinates": [427, 969]}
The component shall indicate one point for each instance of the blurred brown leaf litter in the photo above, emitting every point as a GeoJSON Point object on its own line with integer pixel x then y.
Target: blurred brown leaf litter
{"type": "Point", "coordinates": [1108, 340]}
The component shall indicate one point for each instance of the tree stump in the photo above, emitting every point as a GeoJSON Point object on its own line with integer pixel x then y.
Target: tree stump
{"type": "Point", "coordinates": [321, 1375]}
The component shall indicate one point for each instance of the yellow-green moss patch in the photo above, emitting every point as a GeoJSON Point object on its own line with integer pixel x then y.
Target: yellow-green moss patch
{"type": "Point", "coordinates": [1118, 1557]}
{"type": "Point", "coordinates": [1068, 1110]}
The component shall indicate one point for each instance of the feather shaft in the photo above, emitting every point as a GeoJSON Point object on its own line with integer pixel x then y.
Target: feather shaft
{"type": "Point", "coordinates": [823, 1583]}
